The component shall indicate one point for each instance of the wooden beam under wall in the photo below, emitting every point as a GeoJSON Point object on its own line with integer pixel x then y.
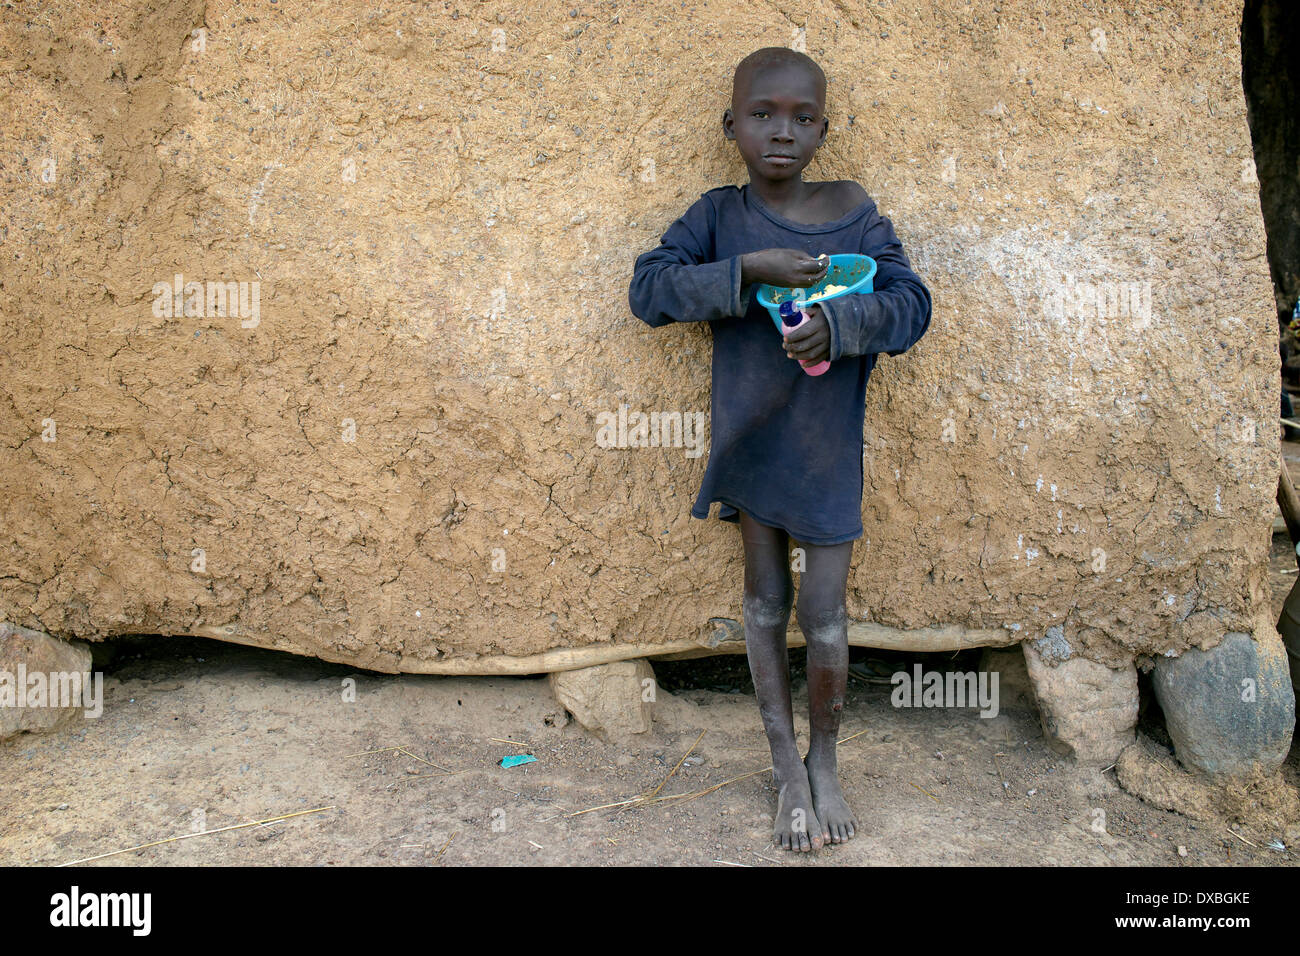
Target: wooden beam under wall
{"type": "Point", "coordinates": [722, 637]}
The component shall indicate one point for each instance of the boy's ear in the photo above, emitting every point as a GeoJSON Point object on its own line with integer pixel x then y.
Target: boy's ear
{"type": "Point", "coordinates": [727, 121]}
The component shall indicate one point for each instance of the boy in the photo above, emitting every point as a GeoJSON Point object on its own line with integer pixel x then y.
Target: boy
{"type": "Point", "coordinates": [785, 456]}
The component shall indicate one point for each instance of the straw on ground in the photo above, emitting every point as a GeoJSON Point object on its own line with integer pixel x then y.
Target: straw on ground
{"type": "Point", "coordinates": [190, 836]}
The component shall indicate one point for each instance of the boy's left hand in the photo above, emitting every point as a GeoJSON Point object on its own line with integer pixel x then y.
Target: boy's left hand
{"type": "Point", "coordinates": [811, 342]}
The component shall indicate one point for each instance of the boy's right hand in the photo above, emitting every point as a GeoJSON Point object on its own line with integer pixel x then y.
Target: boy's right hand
{"type": "Point", "coordinates": [788, 268]}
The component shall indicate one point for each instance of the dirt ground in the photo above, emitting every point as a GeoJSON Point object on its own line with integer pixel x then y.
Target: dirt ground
{"type": "Point", "coordinates": [244, 735]}
{"type": "Point", "coordinates": [201, 735]}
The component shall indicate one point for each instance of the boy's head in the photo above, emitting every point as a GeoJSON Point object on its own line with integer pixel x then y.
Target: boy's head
{"type": "Point", "coordinates": [778, 112]}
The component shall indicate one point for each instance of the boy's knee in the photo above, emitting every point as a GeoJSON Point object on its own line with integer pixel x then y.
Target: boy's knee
{"type": "Point", "coordinates": [820, 623]}
{"type": "Point", "coordinates": [767, 607]}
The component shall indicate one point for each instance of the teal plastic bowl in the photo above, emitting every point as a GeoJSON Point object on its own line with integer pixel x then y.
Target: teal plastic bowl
{"type": "Point", "coordinates": [847, 269]}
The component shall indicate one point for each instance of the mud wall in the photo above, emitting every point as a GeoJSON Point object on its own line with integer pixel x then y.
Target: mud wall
{"type": "Point", "coordinates": [387, 452]}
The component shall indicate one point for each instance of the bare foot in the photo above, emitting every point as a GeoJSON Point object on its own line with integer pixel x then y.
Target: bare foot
{"type": "Point", "coordinates": [795, 826]}
{"type": "Point", "coordinates": [837, 820]}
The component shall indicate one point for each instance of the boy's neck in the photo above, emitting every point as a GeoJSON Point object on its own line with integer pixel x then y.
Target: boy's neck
{"type": "Point", "coordinates": [782, 193]}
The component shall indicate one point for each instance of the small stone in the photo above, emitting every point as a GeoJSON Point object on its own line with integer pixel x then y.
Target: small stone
{"type": "Point", "coordinates": [1182, 851]}
{"type": "Point", "coordinates": [1087, 710]}
{"type": "Point", "coordinates": [610, 700]}
{"type": "Point", "coordinates": [66, 667]}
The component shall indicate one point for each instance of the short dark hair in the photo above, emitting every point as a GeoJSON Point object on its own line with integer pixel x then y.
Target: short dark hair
{"type": "Point", "coordinates": [776, 56]}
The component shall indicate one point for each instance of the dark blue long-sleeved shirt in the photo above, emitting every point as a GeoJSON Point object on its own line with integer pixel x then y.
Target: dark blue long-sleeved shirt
{"type": "Point", "coordinates": [785, 446]}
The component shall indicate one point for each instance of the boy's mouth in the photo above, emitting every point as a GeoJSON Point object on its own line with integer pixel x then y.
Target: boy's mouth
{"type": "Point", "coordinates": [779, 159]}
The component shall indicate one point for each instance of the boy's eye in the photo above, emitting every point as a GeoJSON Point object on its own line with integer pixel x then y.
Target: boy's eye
{"type": "Point", "coordinates": [805, 118]}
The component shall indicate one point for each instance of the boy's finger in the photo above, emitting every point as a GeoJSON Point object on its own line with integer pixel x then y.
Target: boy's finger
{"type": "Point", "coordinates": [801, 333]}
{"type": "Point", "coordinates": [807, 345]}
{"type": "Point", "coordinates": [816, 352]}
{"type": "Point", "coordinates": [808, 328]}
{"type": "Point", "coordinates": [803, 349]}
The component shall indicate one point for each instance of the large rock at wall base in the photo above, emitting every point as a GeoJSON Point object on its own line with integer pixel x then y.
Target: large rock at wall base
{"type": "Point", "coordinates": [1229, 710]}
{"type": "Point", "coordinates": [36, 653]}
{"type": "Point", "coordinates": [611, 700]}
{"type": "Point", "coordinates": [1088, 710]}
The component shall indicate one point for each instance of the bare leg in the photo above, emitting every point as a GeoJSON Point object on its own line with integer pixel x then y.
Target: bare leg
{"type": "Point", "coordinates": [824, 623]}
{"type": "Point", "coordinates": [768, 596]}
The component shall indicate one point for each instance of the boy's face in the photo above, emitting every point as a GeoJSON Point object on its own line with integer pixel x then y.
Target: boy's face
{"type": "Point", "coordinates": [777, 120]}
